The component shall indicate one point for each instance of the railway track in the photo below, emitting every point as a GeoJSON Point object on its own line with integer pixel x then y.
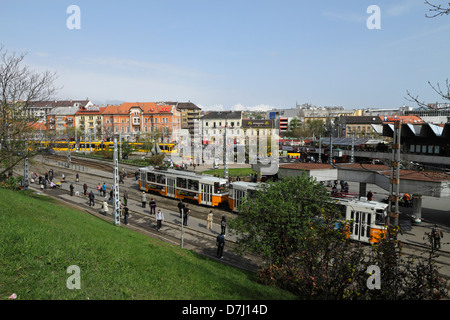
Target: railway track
{"type": "Point", "coordinates": [134, 194]}
{"type": "Point", "coordinates": [84, 162]}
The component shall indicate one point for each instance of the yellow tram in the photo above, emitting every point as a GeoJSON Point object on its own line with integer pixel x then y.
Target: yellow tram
{"type": "Point", "coordinates": [367, 219]}
{"type": "Point", "coordinates": [203, 189]}
{"type": "Point", "coordinates": [85, 146]}
{"type": "Point", "coordinates": [238, 190]}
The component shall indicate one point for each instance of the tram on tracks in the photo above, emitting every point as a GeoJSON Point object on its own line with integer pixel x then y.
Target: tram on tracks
{"type": "Point", "coordinates": [203, 189]}
{"type": "Point", "coordinates": [367, 219]}
{"type": "Point", "coordinates": [100, 145]}
{"type": "Point", "coordinates": [239, 190]}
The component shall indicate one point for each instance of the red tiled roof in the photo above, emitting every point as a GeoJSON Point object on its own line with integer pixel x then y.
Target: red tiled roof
{"type": "Point", "coordinates": [404, 174]}
{"type": "Point", "coordinates": [403, 119]}
{"type": "Point", "coordinates": [146, 107]}
{"type": "Point", "coordinates": [306, 166]}
{"type": "Point", "coordinates": [363, 166]}
{"type": "Point", "coordinates": [420, 175]}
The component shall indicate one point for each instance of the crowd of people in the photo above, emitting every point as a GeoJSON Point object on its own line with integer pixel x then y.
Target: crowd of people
{"type": "Point", "coordinates": [183, 207]}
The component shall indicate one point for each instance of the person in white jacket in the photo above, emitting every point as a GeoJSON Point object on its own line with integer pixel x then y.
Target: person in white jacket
{"type": "Point", "coordinates": [159, 219]}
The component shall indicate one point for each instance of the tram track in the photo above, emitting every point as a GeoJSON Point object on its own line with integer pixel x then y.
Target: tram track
{"type": "Point", "coordinates": [134, 194]}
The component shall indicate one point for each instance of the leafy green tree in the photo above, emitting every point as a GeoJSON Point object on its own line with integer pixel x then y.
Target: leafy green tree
{"type": "Point", "coordinates": [275, 220]}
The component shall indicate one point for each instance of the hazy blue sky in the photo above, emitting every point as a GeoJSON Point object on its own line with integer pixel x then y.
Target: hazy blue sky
{"type": "Point", "coordinates": [234, 53]}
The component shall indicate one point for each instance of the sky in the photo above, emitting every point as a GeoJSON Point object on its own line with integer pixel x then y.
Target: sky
{"type": "Point", "coordinates": [234, 54]}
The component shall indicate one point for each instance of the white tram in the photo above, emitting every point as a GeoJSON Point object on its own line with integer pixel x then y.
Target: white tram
{"type": "Point", "coordinates": [367, 219]}
{"type": "Point", "coordinates": [238, 190]}
{"type": "Point", "coordinates": [204, 189]}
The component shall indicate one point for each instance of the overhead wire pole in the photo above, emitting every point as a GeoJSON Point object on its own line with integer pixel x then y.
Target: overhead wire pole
{"type": "Point", "coordinates": [394, 186]}
{"type": "Point", "coordinates": [116, 186]}
{"type": "Point", "coordinates": [320, 149]}
{"type": "Point", "coordinates": [352, 160]}
{"type": "Point", "coordinates": [225, 163]}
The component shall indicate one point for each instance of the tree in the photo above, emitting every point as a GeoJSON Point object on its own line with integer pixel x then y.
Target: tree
{"type": "Point", "coordinates": [274, 221]}
{"type": "Point", "coordinates": [19, 87]}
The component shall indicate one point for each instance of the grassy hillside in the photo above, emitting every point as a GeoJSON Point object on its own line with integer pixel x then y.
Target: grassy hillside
{"type": "Point", "coordinates": [40, 239]}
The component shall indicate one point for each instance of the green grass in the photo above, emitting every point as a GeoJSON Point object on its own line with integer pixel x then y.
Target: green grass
{"type": "Point", "coordinates": [232, 172]}
{"type": "Point", "coordinates": [40, 239]}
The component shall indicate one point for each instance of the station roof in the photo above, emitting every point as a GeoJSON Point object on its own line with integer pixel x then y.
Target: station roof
{"type": "Point", "coordinates": [349, 141]}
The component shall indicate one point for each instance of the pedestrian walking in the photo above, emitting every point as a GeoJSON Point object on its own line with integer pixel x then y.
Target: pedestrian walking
{"type": "Point", "coordinates": [181, 207]}
{"type": "Point", "coordinates": [85, 188]}
{"type": "Point", "coordinates": [152, 206]}
{"type": "Point", "coordinates": [105, 208]}
{"type": "Point", "coordinates": [99, 189]}
{"type": "Point", "coordinates": [369, 195]}
{"type": "Point", "coordinates": [71, 189]}
{"type": "Point", "coordinates": [436, 235]}
{"type": "Point", "coordinates": [121, 178]}
{"type": "Point", "coordinates": [186, 216]}
{"type": "Point", "coordinates": [220, 242]}
{"type": "Point", "coordinates": [104, 189]}
{"type": "Point", "coordinates": [143, 199]}
{"type": "Point", "coordinates": [125, 197]}
{"type": "Point", "coordinates": [125, 214]}
{"type": "Point", "coordinates": [223, 224]}
{"type": "Point", "coordinates": [209, 220]}
{"type": "Point", "coordinates": [111, 196]}
{"type": "Point", "coordinates": [91, 198]}
{"type": "Point", "coordinates": [77, 178]}
{"type": "Point", "coordinates": [159, 219]}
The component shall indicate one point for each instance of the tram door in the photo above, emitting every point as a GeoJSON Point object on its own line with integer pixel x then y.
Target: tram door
{"type": "Point", "coordinates": [207, 194]}
{"type": "Point", "coordinates": [170, 187]}
{"type": "Point", "coordinates": [361, 225]}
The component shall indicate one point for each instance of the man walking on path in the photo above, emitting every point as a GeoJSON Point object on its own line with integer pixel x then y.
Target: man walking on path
{"type": "Point", "coordinates": [91, 198]}
{"type": "Point", "coordinates": [71, 189]}
{"type": "Point", "coordinates": [125, 214]}
{"type": "Point", "coordinates": [159, 219]}
{"type": "Point", "coordinates": [143, 199]}
{"type": "Point", "coordinates": [223, 224]}
{"type": "Point", "coordinates": [220, 242]}
{"type": "Point", "coordinates": [181, 207]}
{"type": "Point", "coordinates": [104, 189]}
{"type": "Point", "coordinates": [209, 220]}
{"type": "Point", "coordinates": [186, 216]}
{"type": "Point", "coordinates": [152, 206]}
{"type": "Point", "coordinates": [125, 197]}
{"type": "Point", "coordinates": [436, 234]}
{"type": "Point", "coordinates": [85, 188]}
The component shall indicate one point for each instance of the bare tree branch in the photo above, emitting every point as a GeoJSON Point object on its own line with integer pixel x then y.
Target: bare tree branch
{"type": "Point", "coordinates": [437, 88]}
{"type": "Point", "coordinates": [19, 88]}
{"type": "Point", "coordinates": [437, 9]}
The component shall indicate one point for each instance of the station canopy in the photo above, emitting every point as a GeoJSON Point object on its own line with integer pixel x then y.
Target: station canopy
{"type": "Point", "coordinates": [349, 141]}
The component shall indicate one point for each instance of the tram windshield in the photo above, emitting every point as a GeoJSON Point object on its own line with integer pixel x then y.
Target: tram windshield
{"type": "Point", "coordinates": [380, 216]}
{"type": "Point", "coordinates": [220, 188]}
